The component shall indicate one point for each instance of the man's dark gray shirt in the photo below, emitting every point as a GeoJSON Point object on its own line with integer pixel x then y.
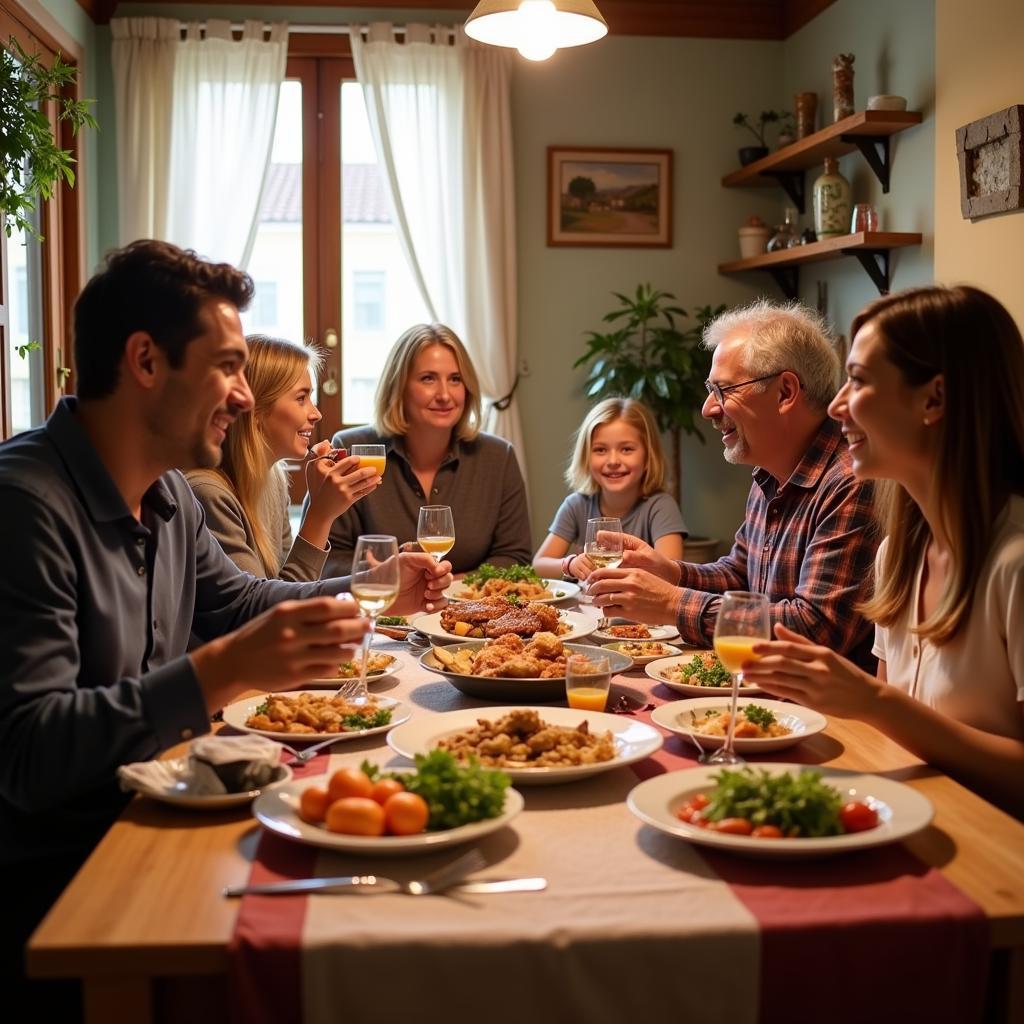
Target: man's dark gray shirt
{"type": "Point", "coordinates": [96, 610]}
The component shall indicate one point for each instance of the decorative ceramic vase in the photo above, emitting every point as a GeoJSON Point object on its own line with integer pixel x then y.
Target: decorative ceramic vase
{"type": "Point", "coordinates": [806, 106]}
{"type": "Point", "coordinates": [831, 202]}
{"type": "Point", "coordinates": [842, 86]}
{"type": "Point", "coordinates": [754, 237]}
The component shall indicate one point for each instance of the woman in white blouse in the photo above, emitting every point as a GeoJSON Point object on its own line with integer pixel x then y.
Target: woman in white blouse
{"type": "Point", "coordinates": [933, 405]}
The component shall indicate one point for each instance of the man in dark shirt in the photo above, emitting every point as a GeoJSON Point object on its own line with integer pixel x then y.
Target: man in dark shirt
{"type": "Point", "coordinates": [808, 540]}
{"type": "Point", "coordinates": [108, 568]}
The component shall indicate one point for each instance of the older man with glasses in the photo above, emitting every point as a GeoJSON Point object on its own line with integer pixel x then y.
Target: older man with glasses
{"type": "Point", "coordinates": [808, 540]}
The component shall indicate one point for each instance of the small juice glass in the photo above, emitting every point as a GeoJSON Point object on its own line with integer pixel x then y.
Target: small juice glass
{"type": "Point", "coordinates": [587, 681]}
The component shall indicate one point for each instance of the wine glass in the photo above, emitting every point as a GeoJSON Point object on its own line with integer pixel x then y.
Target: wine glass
{"type": "Point", "coordinates": [371, 455]}
{"type": "Point", "coordinates": [375, 582]}
{"type": "Point", "coordinates": [742, 622]}
{"type": "Point", "coordinates": [603, 546]}
{"type": "Point", "coordinates": [587, 681]}
{"type": "Point", "coordinates": [435, 530]}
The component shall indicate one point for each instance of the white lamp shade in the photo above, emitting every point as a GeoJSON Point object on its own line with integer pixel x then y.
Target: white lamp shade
{"type": "Point", "coordinates": [517, 23]}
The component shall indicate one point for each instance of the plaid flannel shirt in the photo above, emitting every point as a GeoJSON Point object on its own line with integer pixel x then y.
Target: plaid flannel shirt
{"type": "Point", "coordinates": [808, 544]}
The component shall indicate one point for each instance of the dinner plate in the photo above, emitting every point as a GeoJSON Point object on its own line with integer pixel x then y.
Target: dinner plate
{"type": "Point", "coordinates": [656, 668]}
{"type": "Point", "coordinates": [679, 715]}
{"type": "Point", "coordinates": [580, 626]}
{"type": "Point", "coordinates": [277, 811]}
{"type": "Point", "coordinates": [902, 811]}
{"type": "Point", "coordinates": [336, 681]}
{"type": "Point", "coordinates": [634, 740]}
{"type": "Point", "coordinates": [170, 784]}
{"type": "Point", "coordinates": [666, 650]}
{"type": "Point", "coordinates": [512, 688]}
{"type": "Point", "coordinates": [558, 590]}
{"type": "Point", "coordinates": [236, 714]}
{"type": "Point", "coordinates": [666, 632]}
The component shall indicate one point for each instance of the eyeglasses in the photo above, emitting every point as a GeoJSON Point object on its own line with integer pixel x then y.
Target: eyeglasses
{"type": "Point", "coordinates": [720, 392]}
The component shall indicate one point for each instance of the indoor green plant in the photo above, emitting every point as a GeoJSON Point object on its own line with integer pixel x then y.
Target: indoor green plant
{"type": "Point", "coordinates": [756, 127]}
{"type": "Point", "coordinates": [31, 163]}
{"type": "Point", "coordinates": [651, 358]}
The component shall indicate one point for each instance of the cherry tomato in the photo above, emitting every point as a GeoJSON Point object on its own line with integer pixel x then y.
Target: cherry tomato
{"type": "Point", "coordinates": [406, 814]}
{"type": "Point", "coordinates": [385, 788]}
{"type": "Point", "coordinates": [356, 816]}
{"type": "Point", "coordinates": [687, 813]}
{"type": "Point", "coordinates": [858, 817]}
{"type": "Point", "coordinates": [313, 805]}
{"type": "Point", "coordinates": [349, 782]}
{"type": "Point", "coordinates": [700, 801]}
{"type": "Point", "coordinates": [767, 832]}
{"type": "Point", "coordinates": [733, 826]}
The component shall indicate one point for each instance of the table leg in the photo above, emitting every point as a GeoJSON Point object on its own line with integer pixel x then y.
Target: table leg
{"type": "Point", "coordinates": [117, 998]}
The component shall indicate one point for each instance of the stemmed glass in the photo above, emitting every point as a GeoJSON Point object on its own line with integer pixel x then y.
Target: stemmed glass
{"type": "Point", "coordinates": [375, 582]}
{"type": "Point", "coordinates": [742, 622]}
{"type": "Point", "coordinates": [435, 530]}
{"type": "Point", "coordinates": [606, 552]}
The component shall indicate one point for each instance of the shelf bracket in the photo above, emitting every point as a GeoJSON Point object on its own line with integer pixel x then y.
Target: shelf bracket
{"type": "Point", "coordinates": [793, 184]}
{"type": "Point", "coordinates": [875, 149]}
{"type": "Point", "coordinates": [876, 263]}
{"type": "Point", "coordinates": [788, 280]}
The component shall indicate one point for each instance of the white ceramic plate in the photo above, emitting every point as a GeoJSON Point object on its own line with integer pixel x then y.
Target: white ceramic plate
{"type": "Point", "coordinates": [679, 715]}
{"type": "Point", "coordinates": [337, 681]}
{"type": "Point", "coordinates": [277, 811]}
{"type": "Point", "coordinates": [172, 787]}
{"type": "Point", "coordinates": [902, 811]}
{"type": "Point", "coordinates": [656, 668]}
{"type": "Point", "coordinates": [580, 626]}
{"type": "Point", "coordinates": [236, 714]}
{"type": "Point", "coordinates": [633, 740]}
{"type": "Point", "coordinates": [665, 632]}
{"type": "Point", "coordinates": [558, 590]}
{"type": "Point", "coordinates": [666, 650]}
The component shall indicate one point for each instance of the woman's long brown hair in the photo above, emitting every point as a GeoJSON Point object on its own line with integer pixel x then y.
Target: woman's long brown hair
{"type": "Point", "coordinates": [969, 338]}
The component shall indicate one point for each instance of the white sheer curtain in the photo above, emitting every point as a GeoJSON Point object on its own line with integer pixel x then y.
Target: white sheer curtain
{"type": "Point", "coordinates": [197, 145]}
{"type": "Point", "coordinates": [440, 118]}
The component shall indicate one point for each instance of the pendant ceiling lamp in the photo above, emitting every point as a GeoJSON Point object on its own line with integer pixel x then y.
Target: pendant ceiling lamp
{"type": "Point", "coordinates": [536, 28]}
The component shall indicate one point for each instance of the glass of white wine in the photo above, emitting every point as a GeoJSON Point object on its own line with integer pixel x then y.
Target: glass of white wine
{"type": "Point", "coordinates": [375, 582]}
{"type": "Point", "coordinates": [743, 621]}
{"type": "Point", "coordinates": [603, 546]}
{"type": "Point", "coordinates": [435, 530]}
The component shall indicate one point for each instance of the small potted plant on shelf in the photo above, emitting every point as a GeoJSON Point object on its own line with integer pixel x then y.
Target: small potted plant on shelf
{"type": "Point", "coordinates": [756, 127]}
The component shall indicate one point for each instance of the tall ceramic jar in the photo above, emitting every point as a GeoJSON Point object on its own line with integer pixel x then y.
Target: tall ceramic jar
{"type": "Point", "coordinates": [832, 204]}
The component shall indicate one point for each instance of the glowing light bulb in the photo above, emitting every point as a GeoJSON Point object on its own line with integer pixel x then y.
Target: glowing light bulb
{"type": "Point", "coordinates": [536, 49]}
{"type": "Point", "coordinates": [536, 29]}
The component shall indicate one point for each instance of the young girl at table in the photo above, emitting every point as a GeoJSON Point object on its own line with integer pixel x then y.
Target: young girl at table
{"type": "Point", "coordinates": [617, 470]}
{"type": "Point", "coordinates": [246, 497]}
{"type": "Point", "coordinates": [934, 404]}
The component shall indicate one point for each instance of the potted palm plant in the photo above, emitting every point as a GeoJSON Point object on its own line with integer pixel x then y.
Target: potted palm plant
{"type": "Point", "coordinates": [651, 357]}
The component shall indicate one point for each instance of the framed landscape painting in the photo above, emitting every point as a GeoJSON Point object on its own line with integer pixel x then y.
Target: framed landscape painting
{"type": "Point", "coordinates": [610, 197]}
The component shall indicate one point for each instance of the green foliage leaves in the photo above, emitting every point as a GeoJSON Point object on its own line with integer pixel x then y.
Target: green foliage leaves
{"type": "Point", "coordinates": [651, 358]}
{"type": "Point", "coordinates": [32, 165]}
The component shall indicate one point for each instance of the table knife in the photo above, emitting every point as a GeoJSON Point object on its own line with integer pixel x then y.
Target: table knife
{"type": "Point", "coordinates": [359, 883]}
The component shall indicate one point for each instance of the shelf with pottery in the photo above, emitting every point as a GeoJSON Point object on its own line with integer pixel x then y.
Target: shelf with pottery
{"type": "Point", "coordinates": [871, 249]}
{"type": "Point", "coordinates": [867, 130]}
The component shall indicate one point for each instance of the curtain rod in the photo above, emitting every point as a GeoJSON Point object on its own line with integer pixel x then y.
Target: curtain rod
{"type": "Point", "coordinates": [327, 30]}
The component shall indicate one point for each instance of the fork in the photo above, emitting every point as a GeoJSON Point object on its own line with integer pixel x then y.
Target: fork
{"type": "Point", "coordinates": [302, 756]}
{"type": "Point", "coordinates": [444, 878]}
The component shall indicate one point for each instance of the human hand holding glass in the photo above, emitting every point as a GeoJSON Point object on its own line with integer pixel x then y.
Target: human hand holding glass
{"type": "Point", "coordinates": [435, 530]}
{"type": "Point", "coordinates": [743, 621]}
{"type": "Point", "coordinates": [375, 583]}
{"type": "Point", "coordinates": [587, 681]}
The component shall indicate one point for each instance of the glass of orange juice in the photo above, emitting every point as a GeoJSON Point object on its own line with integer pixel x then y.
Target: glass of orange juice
{"type": "Point", "coordinates": [372, 455]}
{"type": "Point", "coordinates": [587, 681]}
{"type": "Point", "coordinates": [743, 621]}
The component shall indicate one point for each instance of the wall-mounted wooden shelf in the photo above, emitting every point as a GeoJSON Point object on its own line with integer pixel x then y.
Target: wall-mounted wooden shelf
{"type": "Point", "coordinates": [871, 248]}
{"type": "Point", "coordinates": [867, 130]}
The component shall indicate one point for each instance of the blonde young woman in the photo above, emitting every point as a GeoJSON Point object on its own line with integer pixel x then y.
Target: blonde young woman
{"type": "Point", "coordinates": [246, 497]}
{"type": "Point", "coordinates": [617, 469]}
{"type": "Point", "coordinates": [934, 404]}
{"type": "Point", "coordinates": [427, 414]}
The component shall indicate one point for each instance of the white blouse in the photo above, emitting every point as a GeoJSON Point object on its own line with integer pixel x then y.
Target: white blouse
{"type": "Point", "coordinates": [978, 676]}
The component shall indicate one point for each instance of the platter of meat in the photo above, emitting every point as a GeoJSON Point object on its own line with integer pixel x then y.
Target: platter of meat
{"type": "Point", "coordinates": [492, 617]}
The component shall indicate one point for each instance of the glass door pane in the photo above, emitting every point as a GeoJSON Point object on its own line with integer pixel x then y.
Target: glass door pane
{"type": "Point", "coordinates": [25, 334]}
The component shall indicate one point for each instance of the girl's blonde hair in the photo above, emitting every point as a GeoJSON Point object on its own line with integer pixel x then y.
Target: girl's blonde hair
{"type": "Point", "coordinates": [638, 416]}
{"type": "Point", "coordinates": [967, 337]}
{"type": "Point", "coordinates": [273, 368]}
{"type": "Point", "coordinates": [389, 416]}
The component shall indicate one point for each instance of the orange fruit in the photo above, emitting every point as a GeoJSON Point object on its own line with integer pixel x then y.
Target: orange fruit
{"type": "Point", "coordinates": [349, 782]}
{"type": "Point", "coordinates": [385, 788]}
{"type": "Point", "coordinates": [313, 805]}
{"type": "Point", "coordinates": [406, 814]}
{"type": "Point", "coordinates": [356, 816]}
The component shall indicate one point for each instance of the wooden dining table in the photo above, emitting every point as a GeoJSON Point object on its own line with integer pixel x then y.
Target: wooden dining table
{"type": "Point", "coordinates": [145, 927]}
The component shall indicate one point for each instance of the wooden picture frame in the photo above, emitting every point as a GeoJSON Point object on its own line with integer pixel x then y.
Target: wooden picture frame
{"type": "Point", "coordinates": [609, 197]}
{"type": "Point", "coordinates": [990, 152]}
